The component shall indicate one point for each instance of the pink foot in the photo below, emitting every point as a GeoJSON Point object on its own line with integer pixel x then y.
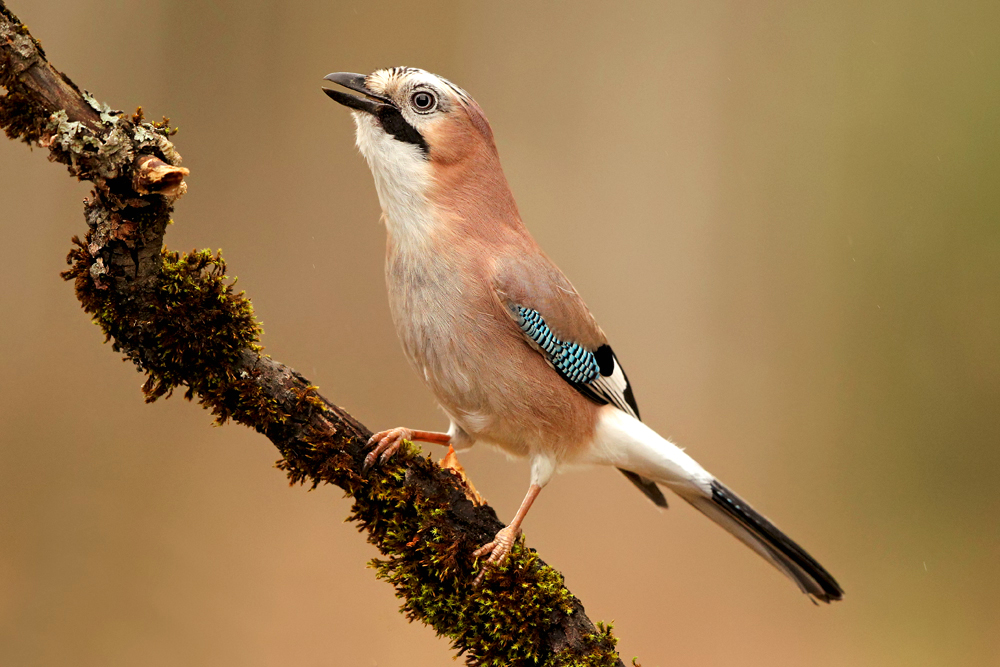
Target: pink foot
{"type": "Point", "coordinates": [498, 550]}
{"type": "Point", "coordinates": [388, 443]}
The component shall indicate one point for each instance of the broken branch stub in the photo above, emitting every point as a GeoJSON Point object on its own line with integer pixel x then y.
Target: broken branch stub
{"type": "Point", "coordinates": [152, 175]}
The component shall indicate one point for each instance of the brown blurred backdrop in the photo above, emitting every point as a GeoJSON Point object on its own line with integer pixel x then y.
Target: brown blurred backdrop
{"type": "Point", "coordinates": [785, 216]}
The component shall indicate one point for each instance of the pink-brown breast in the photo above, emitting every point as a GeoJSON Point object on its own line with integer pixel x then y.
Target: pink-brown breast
{"type": "Point", "coordinates": [449, 294]}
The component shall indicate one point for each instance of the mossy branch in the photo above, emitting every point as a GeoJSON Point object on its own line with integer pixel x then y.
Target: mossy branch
{"type": "Point", "coordinates": [179, 320]}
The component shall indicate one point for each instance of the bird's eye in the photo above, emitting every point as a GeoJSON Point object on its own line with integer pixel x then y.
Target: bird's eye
{"type": "Point", "coordinates": [423, 101]}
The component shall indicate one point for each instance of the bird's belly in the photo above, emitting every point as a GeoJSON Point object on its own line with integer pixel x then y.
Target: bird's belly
{"type": "Point", "coordinates": [477, 364]}
{"type": "Point", "coordinates": [444, 347]}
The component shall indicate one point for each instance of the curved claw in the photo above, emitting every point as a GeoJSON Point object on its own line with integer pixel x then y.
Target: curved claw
{"type": "Point", "coordinates": [389, 443]}
{"type": "Point", "coordinates": [390, 451]}
{"type": "Point", "coordinates": [498, 550]}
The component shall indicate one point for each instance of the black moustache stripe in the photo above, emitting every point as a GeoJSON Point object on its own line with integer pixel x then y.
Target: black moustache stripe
{"type": "Point", "coordinates": [393, 122]}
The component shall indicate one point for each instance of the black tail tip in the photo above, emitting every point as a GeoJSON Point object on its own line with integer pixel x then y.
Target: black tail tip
{"type": "Point", "coordinates": [811, 577]}
{"type": "Point", "coordinates": [832, 592]}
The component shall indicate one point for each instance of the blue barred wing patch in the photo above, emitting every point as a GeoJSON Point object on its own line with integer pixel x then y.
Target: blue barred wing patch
{"type": "Point", "coordinates": [597, 375]}
{"type": "Point", "coordinates": [573, 362]}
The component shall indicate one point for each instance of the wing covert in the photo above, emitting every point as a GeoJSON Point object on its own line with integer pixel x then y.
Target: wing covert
{"type": "Point", "coordinates": [597, 375]}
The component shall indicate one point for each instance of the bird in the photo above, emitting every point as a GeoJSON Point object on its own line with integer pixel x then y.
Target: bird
{"type": "Point", "coordinates": [498, 333]}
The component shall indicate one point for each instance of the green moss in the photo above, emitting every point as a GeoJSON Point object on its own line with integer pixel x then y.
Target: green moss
{"type": "Point", "coordinates": [429, 562]}
{"type": "Point", "coordinates": [506, 620]}
{"type": "Point", "coordinates": [188, 327]}
{"type": "Point", "coordinates": [596, 650]}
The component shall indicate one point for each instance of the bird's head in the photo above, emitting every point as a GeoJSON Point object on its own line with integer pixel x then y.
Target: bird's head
{"type": "Point", "coordinates": [422, 135]}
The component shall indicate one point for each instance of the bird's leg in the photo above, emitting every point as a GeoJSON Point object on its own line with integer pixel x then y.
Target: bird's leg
{"type": "Point", "coordinates": [504, 540]}
{"type": "Point", "coordinates": [388, 443]}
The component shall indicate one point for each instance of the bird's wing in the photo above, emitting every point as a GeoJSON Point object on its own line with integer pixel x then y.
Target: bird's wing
{"type": "Point", "coordinates": [595, 373]}
{"type": "Point", "coordinates": [556, 322]}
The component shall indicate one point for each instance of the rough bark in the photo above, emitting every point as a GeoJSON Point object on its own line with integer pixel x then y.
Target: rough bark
{"type": "Point", "coordinates": [178, 319]}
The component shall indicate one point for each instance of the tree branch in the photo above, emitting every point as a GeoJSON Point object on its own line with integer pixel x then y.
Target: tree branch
{"type": "Point", "coordinates": [177, 318]}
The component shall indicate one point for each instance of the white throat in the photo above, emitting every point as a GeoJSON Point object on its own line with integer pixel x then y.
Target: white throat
{"type": "Point", "coordinates": [402, 180]}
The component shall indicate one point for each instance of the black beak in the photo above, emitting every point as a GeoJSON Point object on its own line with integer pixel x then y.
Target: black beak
{"type": "Point", "coordinates": [371, 103]}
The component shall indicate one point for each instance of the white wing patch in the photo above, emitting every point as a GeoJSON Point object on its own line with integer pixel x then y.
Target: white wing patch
{"type": "Point", "coordinates": [614, 388]}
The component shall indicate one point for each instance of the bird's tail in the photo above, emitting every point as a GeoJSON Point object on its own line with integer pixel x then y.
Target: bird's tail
{"type": "Point", "coordinates": [630, 444]}
{"type": "Point", "coordinates": [732, 513]}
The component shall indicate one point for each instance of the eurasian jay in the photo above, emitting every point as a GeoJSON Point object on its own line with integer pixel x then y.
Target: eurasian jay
{"type": "Point", "coordinates": [495, 329]}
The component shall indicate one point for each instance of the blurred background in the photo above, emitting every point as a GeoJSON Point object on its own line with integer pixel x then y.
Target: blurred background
{"type": "Point", "coordinates": [785, 216]}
